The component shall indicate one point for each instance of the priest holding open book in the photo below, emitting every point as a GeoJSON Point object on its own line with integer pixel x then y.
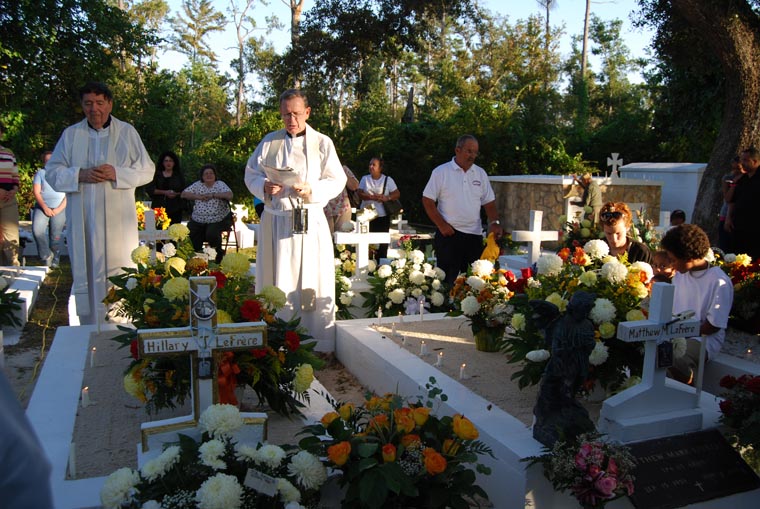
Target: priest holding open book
{"type": "Point", "coordinates": [296, 171]}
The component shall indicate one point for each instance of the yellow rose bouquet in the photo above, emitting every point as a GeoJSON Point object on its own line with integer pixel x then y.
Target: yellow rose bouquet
{"type": "Point", "coordinates": [396, 453]}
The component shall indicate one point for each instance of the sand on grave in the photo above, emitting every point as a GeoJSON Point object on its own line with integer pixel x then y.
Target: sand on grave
{"type": "Point", "coordinates": [488, 374]}
{"type": "Point", "coordinates": [107, 432]}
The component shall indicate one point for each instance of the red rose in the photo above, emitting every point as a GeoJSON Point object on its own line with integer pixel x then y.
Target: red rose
{"type": "Point", "coordinates": [133, 349]}
{"type": "Point", "coordinates": [259, 353]}
{"type": "Point", "coordinates": [726, 407]}
{"type": "Point", "coordinates": [510, 276]}
{"type": "Point", "coordinates": [292, 340]}
{"type": "Point", "coordinates": [753, 385]}
{"type": "Point", "coordinates": [221, 279]}
{"type": "Point", "coordinates": [526, 272]}
{"type": "Point", "coordinates": [728, 382]}
{"type": "Point", "coordinates": [251, 310]}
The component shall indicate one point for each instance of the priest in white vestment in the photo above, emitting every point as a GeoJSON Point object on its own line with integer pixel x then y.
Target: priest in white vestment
{"type": "Point", "coordinates": [98, 163]}
{"type": "Point", "coordinates": [300, 264]}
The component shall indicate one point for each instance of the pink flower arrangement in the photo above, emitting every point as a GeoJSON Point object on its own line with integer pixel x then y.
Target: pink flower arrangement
{"type": "Point", "coordinates": [593, 470]}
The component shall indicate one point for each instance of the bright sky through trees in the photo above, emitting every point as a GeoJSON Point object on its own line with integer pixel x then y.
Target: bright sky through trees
{"type": "Point", "coordinates": [567, 12]}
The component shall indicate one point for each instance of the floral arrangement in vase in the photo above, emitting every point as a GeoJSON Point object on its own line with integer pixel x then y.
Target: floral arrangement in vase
{"type": "Point", "coordinates": [162, 219]}
{"type": "Point", "coordinates": [408, 285]}
{"type": "Point", "coordinates": [155, 294]}
{"type": "Point", "coordinates": [482, 296]}
{"type": "Point", "coordinates": [740, 411]}
{"type": "Point", "coordinates": [620, 289]}
{"type": "Point", "coordinates": [595, 471]}
{"type": "Point", "coordinates": [345, 268]}
{"type": "Point", "coordinates": [211, 473]}
{"type": "Point", "coordinates": [574, 232]}
{"type": "Point", "coordinates": [396, 453]}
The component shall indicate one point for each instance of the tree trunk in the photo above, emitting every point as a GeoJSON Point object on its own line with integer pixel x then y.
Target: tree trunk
{"type": "Point", "coordinates": [584, 50]}
{"type": "Point", "coordinates": [296, 8]}
{"type": "Point", "coordinates": [733, 32]}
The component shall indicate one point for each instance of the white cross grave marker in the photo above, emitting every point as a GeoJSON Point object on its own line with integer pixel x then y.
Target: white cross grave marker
{"type": "Point", "coordinates": [204, 342]}
{"type": "Point", "coordinates": [615, 163]}
{"type": "Point", "coordinates": [150, 234]}
{"type": "Point", "coordinates": [534, 236]}
{"type": "Point", "coordinates": [362, 242]}
{"type": "Point", "coordinates": [653, 408]}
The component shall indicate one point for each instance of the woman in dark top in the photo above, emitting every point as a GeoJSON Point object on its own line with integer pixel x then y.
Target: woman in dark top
{"type": "Point", "coordinates": [616, 221]}
{"type": "Point", "coordinates": [167, 186]}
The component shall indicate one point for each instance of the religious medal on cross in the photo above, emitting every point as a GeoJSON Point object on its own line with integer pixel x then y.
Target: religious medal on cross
{"type": "Point", "coordinates": [652, 397]}
{"type": "Point", "coordinates": [204, 342]}
{"type": "Point", "coordinates": [615, 163]}
{"type": "Point", "coordinates": [150, 234]}
{"type": "Point", "coordinates": [534, 236]}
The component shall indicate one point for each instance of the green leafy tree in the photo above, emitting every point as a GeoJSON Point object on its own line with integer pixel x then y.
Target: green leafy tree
{"type": "Point", "coordinates": [192, 27]}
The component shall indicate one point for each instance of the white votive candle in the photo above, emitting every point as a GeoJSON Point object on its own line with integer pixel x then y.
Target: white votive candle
{"type": "Point", "coordinates": [85, 397]}
{"type": "Point", "coordinates": [422, 307]}
{"type": "Point", "coordinates": [423, 348]}
{"type": "Point", "coordinates": [379, 315]}
{"type": "Point", "coordinates": [439, 360]}
{"type": "Point", "coordinates": [92, 357]}
{"type": "Point", "coordinates": [400, 317]}
{"type": "Point", "coordinates": [462, 374]}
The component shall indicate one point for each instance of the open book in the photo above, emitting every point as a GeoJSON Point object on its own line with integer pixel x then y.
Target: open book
{"type": "Point", "coordinates": [283, 176]}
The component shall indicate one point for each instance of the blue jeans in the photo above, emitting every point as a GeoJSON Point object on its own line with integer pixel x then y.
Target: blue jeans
{"type": "Point", "coordinates": [47, 233]}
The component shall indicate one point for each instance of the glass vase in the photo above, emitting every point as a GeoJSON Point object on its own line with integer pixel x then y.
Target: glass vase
{"type": "Point", "coordinates": [489, 339]}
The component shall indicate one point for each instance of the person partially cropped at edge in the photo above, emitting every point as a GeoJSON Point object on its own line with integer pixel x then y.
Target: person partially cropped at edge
{"type": "Point", "coordinates": [299, 264]}
{"type": "Point", "coordinates": [452, 199]}
{"type": "Point", "coordinates": [98, 163]}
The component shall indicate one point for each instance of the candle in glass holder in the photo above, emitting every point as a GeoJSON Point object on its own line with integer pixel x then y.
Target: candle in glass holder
{"type": "Point", "coordinates": [439, 360]}
{"type": "Point", "coordinates": [85, 397]}
{"type": "Point", "coordinates": [462, 374]}
{"type": "Point", "coordinates": [92, 357]}
{"type": "Point", "coordinates": [423, 348]}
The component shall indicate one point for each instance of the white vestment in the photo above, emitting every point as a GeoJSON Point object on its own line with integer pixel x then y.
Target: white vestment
{"type": "Point", "coordinates": [298, 262]}
{"type": "Point", "coordinates": [101, 221]}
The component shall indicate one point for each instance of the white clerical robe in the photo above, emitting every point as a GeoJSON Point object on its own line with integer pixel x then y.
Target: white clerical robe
{"type": "Point", "coordinates": [299, 263]}
{"type": "Point", "coordinates": [101, 221]}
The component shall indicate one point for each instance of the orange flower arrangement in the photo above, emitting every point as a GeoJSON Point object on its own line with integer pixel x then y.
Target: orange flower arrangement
{"type": "Point", "coordinates": [397, 453]}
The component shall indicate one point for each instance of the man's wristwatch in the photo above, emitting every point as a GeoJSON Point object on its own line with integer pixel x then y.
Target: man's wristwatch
{"type": "Point", "coordinates": [495, 221]}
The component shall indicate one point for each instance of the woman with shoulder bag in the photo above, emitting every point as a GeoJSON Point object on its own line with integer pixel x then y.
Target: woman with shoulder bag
{"type": "Point", "coordinates": [338, 210]}
{"type": "Point", "coordinates": [377, 189]}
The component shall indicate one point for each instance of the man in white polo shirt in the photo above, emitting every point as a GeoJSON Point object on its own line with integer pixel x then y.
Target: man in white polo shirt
{"type": "Point", "coordinates": [452, 199]}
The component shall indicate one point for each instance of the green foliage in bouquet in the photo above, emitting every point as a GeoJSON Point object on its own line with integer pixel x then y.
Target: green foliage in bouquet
{"type": "Point", "coordinates": [10, 304]}
{"type": "Point", "coordinates": [396, 454]}
{"type": "Point", "coordinates": [642, 230]}
{"type": "Point", "coordinates": [345, 268]}
{"type": "Point", "coordinates": [619, 288]}
{"type": "Point", "coordinates": [745, 276]}
{"type": "Point", "coordinates": [211, 473]}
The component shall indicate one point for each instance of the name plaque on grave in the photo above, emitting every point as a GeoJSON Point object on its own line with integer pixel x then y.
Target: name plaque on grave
{"type": "Point", "coordinates": [684, 469]}
{"type": "Point", "coordinates": [636, 331]}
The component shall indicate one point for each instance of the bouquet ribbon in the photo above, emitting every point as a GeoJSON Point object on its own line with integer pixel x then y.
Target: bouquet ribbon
{"type": "Point", "coordinates": [227, 379]}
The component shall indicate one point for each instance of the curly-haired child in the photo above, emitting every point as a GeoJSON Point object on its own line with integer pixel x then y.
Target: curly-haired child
{"type": "Point", "coordinates": [701, 288]}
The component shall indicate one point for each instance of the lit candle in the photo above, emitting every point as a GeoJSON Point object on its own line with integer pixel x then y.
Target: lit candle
{"type": "Point", "coordinates": [422, 306]}
{"type": "Point", "coordinates": [400, 317]}
{"type": "Point", "coordinates": [85, 397]}
{"type": "Point", "coordinates": [439, 360]}
{"type": "Point", "coordinates": [462, 374]}
{"type": "Point", "coordinates": [92, 357]}
{"type": "Point", "coordinates": [423, 348]}
{"type": "Point", "coordinates": [379, 315]}
{"type": "Point", "coordinates": [749, 353]}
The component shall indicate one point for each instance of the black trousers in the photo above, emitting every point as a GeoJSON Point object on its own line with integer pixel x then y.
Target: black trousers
{"type": "Point", "coordinates": [381, 224]}
{"type": "Point", "coordinates": [455, 254]}
{"type": "Point", "coordinates": [208, 232]}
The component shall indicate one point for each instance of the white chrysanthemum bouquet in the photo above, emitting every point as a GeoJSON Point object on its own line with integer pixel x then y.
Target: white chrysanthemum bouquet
{"type": "Point", "coordinates": [211, 473]}
{"type": "Point", "coordinates": [619, 288]}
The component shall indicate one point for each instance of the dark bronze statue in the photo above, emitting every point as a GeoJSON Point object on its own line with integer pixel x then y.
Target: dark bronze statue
{"type": "Point", "coordinates": [570, 337]}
